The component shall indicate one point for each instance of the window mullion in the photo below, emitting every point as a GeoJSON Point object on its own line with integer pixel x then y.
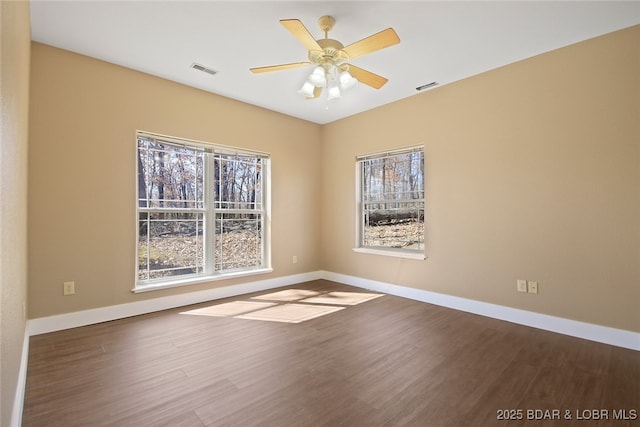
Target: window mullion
{"type": "Point", "coordinates": [209, 241]}
{"type": "Point", "coordinates": [360, 219]}
{"type": "Point", "coordinates": [263, 207]}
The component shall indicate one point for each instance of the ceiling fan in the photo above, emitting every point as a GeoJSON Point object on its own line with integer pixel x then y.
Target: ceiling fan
{"type": "Point", "coordinates": [331, 59]}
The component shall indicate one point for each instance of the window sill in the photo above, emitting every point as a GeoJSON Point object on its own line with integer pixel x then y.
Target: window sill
{"type": "Point", "coordinates": [195, 280]}
{"type": "Point", "coordinates": [391, 253]}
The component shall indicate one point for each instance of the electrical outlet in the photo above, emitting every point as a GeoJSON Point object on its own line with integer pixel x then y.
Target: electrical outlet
{"type": "Point", "coordinates": [522, 286]}
{"type": "Point", "coordinates": [295, 259]}
{"type": "Point", "coordinates": [69, 288]}
{"type": "Point", "coordinates": [532, 287]}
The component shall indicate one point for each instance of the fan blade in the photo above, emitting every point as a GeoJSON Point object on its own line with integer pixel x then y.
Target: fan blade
{"type": "Point", "coordinates": [367, 77]}
{"type": "Point", "coordinates": [316, 93]}
{"type": "Point", "coordinates": [372, 43]}
{"type": "Point", "coordinates": [300, 32]}
{"type": "Point", "coordinates": [257, 70]}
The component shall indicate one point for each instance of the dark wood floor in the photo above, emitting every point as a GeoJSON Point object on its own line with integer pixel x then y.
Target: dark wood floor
{"type": "Point", "coordinates": [385, 362]}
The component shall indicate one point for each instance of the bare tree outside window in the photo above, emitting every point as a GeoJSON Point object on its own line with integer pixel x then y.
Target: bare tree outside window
{"type": "Point", "coordinates": [237, 198]}
{"type": "Point", "coordinates": [392, 201]}
{"type": "Point", "coordinates": [199, 212]}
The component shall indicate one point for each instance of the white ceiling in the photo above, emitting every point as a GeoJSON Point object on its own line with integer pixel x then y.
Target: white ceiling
{"type": "Point", "coordinates": [440, 41]}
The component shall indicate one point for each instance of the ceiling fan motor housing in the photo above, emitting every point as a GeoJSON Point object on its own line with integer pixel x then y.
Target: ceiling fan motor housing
{"type": "Point", "coordinates": [331, 52]}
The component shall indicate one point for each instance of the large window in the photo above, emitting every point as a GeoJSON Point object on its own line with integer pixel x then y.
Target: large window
{"type": "Point", "coordinates": [202, 211]}
{"type": "Point", "coordinates": [390, 218]}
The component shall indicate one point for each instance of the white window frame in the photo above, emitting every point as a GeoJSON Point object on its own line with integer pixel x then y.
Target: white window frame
{"type": "Point", "coordinates": [419, 254]}
{"type": "Point", "coordinates": [210, 210]}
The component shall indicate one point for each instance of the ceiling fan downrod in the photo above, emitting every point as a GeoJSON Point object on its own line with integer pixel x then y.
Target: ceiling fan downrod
{"type": "Point", "coordinates": [326, 24]}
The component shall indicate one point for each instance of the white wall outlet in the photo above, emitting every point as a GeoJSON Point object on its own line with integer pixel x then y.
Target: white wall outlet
{"type": "Point", "coordinates": [522, 285]}
{"type": "Point", "coordinates": [295, 259]}
{"type": "Point", "coordinates": [532, 287]}
{"type": "Point", "coordinates": [69, 288]}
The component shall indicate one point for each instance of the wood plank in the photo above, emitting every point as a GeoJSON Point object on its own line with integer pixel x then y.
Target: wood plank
{"type": "Point", "coordinates": [388, 361]}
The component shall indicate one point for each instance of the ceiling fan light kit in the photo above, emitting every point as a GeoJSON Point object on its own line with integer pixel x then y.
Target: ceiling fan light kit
{"type": "Point", "coordinates": [347, 81]}
{"type": "Point", "coordinates": [318, 77]}
{"type": "Point", "coordinates": [307, 89]}
{"type": "Point", "coordinates": [332, 70]}
{"type": "Point", "coordinates": [333, 91]}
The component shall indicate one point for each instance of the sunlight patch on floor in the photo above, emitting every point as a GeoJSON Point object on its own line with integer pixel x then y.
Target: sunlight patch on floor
{"type": "Point", "coordinates": [288, 306]}
{"type": "Point", "coordinates": [291, 313]}
{"type": "Point", "coordinates": [341, 298]}
{"type": "Point", "coordinates": [288, 295]}
{"type": "Point", "coordinates": [230, 309]}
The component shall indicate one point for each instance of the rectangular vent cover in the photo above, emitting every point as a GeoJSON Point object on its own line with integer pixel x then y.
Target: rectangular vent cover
{"type": "Point", "coordinates": [427, 86]}
{"type": "Point", "coordinates": [203, 69]}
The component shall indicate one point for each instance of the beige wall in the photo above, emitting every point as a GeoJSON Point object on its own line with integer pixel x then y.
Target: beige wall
{"type": "Point", "coordinates": [83, 118]}
{"type": "Point", "coordinates": [14, 95]}
{"type": "Point", "coordinates": [532, 172]}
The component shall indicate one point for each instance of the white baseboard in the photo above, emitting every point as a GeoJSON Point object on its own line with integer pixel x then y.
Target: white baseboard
{"type": "Point", "coordinates": [60, 322]}
{"type": "Point", "coordinates": [589, 331]}
{"type": "Point", "coordinates": [21, 387]}
{"type": "Point", "coordinates": [598, 333]}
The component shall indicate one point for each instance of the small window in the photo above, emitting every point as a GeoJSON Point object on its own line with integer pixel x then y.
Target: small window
{"type": "Point", "coordinates": [202, 211]}
{"type": "Point", "coordinates": [390, 199]}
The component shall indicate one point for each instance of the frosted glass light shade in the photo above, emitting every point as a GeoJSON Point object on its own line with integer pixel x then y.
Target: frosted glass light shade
{"type": "Point", "coordinates": [347, 81]}
{"type": "Point", "coordinates": [333, 91]}
{"type": "Point", "coordinates": [317, 78]}
{"type": "Point", "coordinates": [307, 89]}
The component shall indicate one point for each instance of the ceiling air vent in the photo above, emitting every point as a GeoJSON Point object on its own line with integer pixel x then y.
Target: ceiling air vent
{"type": "Point", "coordinates": [427, 86]}
{"type": "Point", "coordinates": [204, 69]}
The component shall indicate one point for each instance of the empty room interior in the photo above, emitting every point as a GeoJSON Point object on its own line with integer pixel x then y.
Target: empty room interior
{"type": "Point", "coordinates": [320, 213]}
